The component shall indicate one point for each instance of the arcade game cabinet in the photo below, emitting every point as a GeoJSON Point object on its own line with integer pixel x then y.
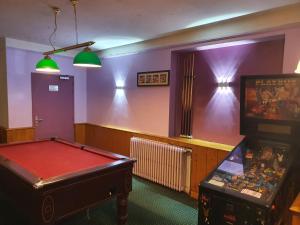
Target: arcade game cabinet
{"type": "Point", "coordinates": [253, 185]}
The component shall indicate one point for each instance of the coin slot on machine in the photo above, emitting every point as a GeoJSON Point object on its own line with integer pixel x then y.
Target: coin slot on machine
{"type": "Point", "coordinates": [229, 214]}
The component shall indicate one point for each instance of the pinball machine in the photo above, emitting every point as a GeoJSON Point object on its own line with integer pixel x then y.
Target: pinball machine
{"type": "Point", "coordinates": [254, 184]}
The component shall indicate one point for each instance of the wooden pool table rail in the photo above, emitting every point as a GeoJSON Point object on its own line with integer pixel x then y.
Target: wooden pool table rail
{"type": "Point", "coordinates": [50, 200]}
{"type": "Point", "coordinates": [38, 182]}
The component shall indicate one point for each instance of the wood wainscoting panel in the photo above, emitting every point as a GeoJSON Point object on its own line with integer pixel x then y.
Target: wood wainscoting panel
{"type": "Point", "coordinates": [211, 160]}
{"type": "Point", "coordinates": [295, 211]}
{"type": "Point", "coordinates": [205, 155]}
{"type": "Point", "coordinates": [80, 132]}
{"type": "Point", "coordinates": [117, 141]}
{"type": "Point", "coordinates": [20, 134]}
{"type": "Point", "coordinates": [198, 170]}
{"type": "Point", "coordinates": [222, 155]}
{"type": "Point", "coordinates": [204, 161]}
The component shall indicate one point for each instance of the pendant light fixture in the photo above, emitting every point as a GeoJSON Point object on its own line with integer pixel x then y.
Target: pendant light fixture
{"type": "Point", "coordinates": [85, 58]}
{"type": "Point", "coordinates": [47, 64]}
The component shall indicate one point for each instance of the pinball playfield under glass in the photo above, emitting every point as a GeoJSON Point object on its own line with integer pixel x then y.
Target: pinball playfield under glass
{"type": "Point", "coordinates": [253, 171]}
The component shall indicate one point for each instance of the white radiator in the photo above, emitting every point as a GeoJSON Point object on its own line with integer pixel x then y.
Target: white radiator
{"type": "Point", "coordinates": [162, 163]}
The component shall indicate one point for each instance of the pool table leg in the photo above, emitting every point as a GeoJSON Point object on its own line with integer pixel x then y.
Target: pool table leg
{"type": "Point", "coordinates": [122, 203]}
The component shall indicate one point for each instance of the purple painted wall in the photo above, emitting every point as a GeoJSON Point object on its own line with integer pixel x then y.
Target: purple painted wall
{"type": "Point", "coordinates": [291, 50]}
{"type": "Point", "coordinates": [216, 110]}
{"type": "Point", "coordinates": [20, 64]}
{"type": "Point", "coordinates": [151, 110]}
{"type": "Point", "coordinates": [144, 109]}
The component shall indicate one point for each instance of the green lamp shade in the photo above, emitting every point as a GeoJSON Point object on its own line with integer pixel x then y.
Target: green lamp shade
{"type": "Point", "coordinates": [47, 65]}
{"type": "Point", "coordinates": [87, 58]}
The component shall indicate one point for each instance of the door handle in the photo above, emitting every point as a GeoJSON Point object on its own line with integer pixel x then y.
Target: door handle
{"type": "Point", "coordinates": [37, 121]}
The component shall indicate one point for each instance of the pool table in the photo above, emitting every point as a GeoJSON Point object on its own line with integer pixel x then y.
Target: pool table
{"type": "Point", "coordinates": [51, 179]}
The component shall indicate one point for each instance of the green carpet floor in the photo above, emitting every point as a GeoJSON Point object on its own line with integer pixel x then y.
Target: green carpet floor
{"type": "Point", "coordinates": [149, 204]}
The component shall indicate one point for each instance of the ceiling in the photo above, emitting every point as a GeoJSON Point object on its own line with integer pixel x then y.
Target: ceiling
{"type": "Point", "coordinates": [113, 23]}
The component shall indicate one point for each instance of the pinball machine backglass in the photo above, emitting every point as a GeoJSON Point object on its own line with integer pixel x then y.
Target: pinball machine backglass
{"type": "Point", "coordinates": [253, 184]}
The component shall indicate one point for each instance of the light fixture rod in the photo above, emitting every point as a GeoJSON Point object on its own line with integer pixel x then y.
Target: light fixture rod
{"type": "Point", "coordinates": [85, 44]}
{"type": "Point", "coordinates": [56, 11]}
{"type": "Point", "coordinates": [74, 4]}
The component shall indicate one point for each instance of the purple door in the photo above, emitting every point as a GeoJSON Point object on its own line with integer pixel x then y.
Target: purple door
{"type": "Point", "coordinates": [53, 106]}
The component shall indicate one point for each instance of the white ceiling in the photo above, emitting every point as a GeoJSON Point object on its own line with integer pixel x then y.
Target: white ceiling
{"type": "Point", "coordinates": [117, 22]}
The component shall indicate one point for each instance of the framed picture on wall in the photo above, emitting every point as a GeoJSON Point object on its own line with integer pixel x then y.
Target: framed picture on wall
{"type": "Point", "coordinates": [153, 78]}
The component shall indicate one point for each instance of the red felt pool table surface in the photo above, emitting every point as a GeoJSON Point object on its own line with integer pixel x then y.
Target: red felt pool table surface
{"type": "Point", "coordinates": [47, 159]}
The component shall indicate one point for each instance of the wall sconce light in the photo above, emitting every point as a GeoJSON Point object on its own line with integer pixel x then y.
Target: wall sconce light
{"type": "Point", "coordinates": [298, 68]}
{"type": "Point", "coordinates": [223, 84]}
{"type": "Point", "coordinates": [120, 89]}
{"type": "Point", "coordinates": [120, 84]}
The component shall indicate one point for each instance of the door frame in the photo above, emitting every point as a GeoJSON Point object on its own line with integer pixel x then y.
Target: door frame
{"type": "Point", "coordinates": [73, 89]}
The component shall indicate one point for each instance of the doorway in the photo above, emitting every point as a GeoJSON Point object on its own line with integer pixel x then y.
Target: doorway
{"type": "Point", "coordinates": [53, 106]}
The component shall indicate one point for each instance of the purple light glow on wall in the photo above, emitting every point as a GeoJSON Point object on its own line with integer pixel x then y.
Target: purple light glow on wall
{"type": "Point", "coordinates": [223, 105]}
{"type": "Point", "coordinates": [114, 98]}
{"type": "Point", "coordinates": [120, 103]}
{"type": "Point", "coordinates": [119, 72]}
{"type": "Point", "coordinates": [216, 99]}
{"type": "Point", "coordinates": [225, 62]}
